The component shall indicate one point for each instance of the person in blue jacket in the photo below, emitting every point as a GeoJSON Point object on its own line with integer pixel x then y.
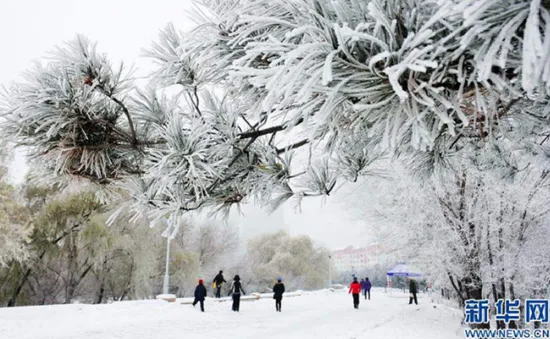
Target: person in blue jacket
{"type": "Point", "coordinates": [200, 294]}
{"type": "Point", "coordinates": [367, 288]}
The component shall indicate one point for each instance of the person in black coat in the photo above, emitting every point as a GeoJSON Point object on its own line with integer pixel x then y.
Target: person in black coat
{"type": "Point", "coordinates": [413, 289]}
{"type": "Point", "coordinates": [219, 280]}
{"type": "Point", "coordinates": [200, 294]}
{"type": "Point", "coordinates": [236, 289]}
{"type": "Point", "coordinates": [278, 291]}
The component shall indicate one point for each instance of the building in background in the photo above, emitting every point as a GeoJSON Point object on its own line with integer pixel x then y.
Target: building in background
{"type": "Point", "coordinates": [356, 259]}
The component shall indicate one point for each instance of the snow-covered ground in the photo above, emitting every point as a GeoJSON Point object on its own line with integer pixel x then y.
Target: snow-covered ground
{"type": "Point", "coordinates": [322, 314]}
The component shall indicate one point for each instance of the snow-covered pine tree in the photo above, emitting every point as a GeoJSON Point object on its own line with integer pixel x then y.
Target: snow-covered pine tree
{"type": "Point", "coordinates": [342, 80]}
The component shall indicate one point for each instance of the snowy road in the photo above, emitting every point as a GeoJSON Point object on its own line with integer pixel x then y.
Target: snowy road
{"type": "Point", "coordinates": [322, 314]}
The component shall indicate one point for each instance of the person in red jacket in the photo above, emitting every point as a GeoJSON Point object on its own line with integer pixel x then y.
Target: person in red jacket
{"type": "Point", "coordinates": [355, 290]}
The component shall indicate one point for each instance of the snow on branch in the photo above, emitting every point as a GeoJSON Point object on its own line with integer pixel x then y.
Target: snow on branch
{"type": "Point", "coordinates": [264, 85]}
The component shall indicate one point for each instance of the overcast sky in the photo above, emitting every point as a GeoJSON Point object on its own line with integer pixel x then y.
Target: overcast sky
{"type": "Point", "coordinates": [30, 28]}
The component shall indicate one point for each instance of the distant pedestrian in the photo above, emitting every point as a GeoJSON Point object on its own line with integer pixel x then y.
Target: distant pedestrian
{"type": "Point", "coordinates": [278, 291]}
{"type": "Point", "coordinates": [355, 290]}
{"type": "Point", "coordinates": [368, 286]}
{"type": "Point", "coordinates": [236, 289]}
{"type": "Point", "coordinates": [362, 283]}
{"type": "Point", "coordinates": [218, 283]}
{"type": "Point", "coordinates": [200, 294]}
{"type": "Point", "coordinates": [413, 289]}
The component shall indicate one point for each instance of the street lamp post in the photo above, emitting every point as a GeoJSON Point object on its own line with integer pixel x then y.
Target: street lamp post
{"type": "Point", "coordinates": [169, 233]}
{"type": "Point", "coordinates": [329, 271]}
{"type": "Point", "coordinates": [166, 285]}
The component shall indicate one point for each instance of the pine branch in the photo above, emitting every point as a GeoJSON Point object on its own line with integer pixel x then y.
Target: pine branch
{"type": "Point", "coordinates": [115, 129]}
{"type": "Point", "coordinates": [106, 146]}
{"type": "Point", "coordinates": [235, 158]}
{"type": "Point", "coordinates": [292, 176]}
{"type": "Point", "coordinates": [197, 102]}
{"type": "Point", "coordinates": [151, 142]}
{"type": "Point", "coordinates": [124, 110]}
{"type": "Point", "coordinates": [194, 98]}
{"type": "Point", "coordinates": [247, 122]}
{"type": "Point", "coordinates": [293, 146]}
{"type": "Point", "coordinates": [210, 190]}
{"type": "Point", "coordinates": [262, 132]}
{"type": "Point", "coordinates": [267, 131]}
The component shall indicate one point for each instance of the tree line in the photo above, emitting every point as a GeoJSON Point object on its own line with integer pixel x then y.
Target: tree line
{"type": "Point", "coordinates": [57, 247]}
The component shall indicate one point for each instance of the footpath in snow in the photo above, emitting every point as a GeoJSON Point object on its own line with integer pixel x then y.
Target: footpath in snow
{"type": "Point", "coordinates": [322, 314]}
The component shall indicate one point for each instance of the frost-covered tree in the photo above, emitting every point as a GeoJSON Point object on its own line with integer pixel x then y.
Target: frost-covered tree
{"type": "Point", "coordinates": [301, 263]}
{"type": "Point", "coordinates": [472, 231]}
{"type": "Point", "coordinates": [15, 227]}
{"type": "Point", "coordinates": [73, 254]}
{"type": "Point", "coordinates": [342, 80]}
{"type": "Point", "coordinates": [200, 250]}
{"type": "Point", "coordinates": [59, 254]}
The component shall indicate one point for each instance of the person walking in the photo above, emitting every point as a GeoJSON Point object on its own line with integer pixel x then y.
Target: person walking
{"type": "Point", "coordinates": [278, 291]}
{"type": "Point", "coordinates": [355, 290]}
{"type": "Point", "coordinates": [368, 286]}
{"type": "Point", "coordinates": [362, 283]}
{"type": "Point", "coordinates": [413, 289]}
{"type": "Point", "coordinates": [218, 283]}
{"type": "Point", "coordinates": [236, 289]}
{"type": "Point", "coordinates": [200, 294]}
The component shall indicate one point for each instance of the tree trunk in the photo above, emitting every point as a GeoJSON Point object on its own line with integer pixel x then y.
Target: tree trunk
{"type": "Point", "coordinates": [457, 288]}
{"type": "Point", "coordinates": [477, 293]}
{"type": "Point", "coordinates": [101, 293]}
{"type": "Point", "coordinates": [13, 299]}
{"type": "Point", "coordinates": [497, 295]}
{"type": "Point", "coordinates": [71, 269]}
{"type": "Point", "coordinates": [474, 289]}
{"type": "Point", "coordinates": [512, 323]}
{"type": "Point", "coordinates": [129, 284]}
{"type": "Point", "coordinates": [75, 282]}
{"type": "Point", "coordinates": [7, 275]}
{"type": "Point", "coordinates": [69, 293]}
{"type": "Point", "coordinates": [500, 294]}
